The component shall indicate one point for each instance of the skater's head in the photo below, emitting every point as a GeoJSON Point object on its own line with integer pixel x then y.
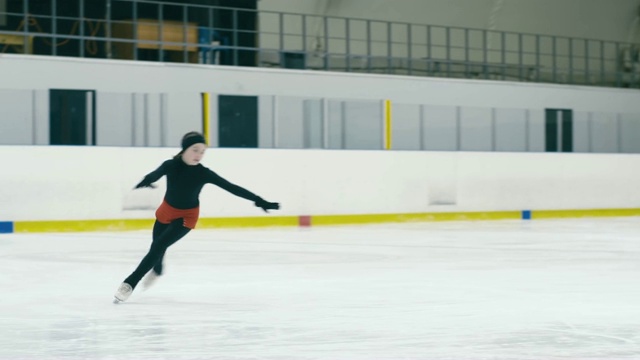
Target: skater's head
{"type": "Point", "coordinates": [193, 148]}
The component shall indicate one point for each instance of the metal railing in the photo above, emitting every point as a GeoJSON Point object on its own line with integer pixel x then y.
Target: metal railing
{"type": "Point", "coordinates": [164, 31]}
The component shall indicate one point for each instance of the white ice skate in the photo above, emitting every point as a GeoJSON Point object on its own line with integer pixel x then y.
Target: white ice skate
{"type": "Point", "coordinates": [123, 293]}
{"type": "Point", "coordinates": [149, 280]}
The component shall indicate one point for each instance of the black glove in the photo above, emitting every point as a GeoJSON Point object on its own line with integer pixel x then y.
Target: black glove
{"type": "Point", "coordinates": [145, 183]}
{"type": "Point", "coordinates": [265, 205]}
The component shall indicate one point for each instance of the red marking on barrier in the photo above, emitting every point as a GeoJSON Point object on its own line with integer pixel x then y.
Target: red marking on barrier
{"type": "Point", "coordinates": [304, 220]}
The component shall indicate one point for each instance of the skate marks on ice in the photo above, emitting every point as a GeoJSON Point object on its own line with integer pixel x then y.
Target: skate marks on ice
{"type": "Point", "coordinates": [498, 290]}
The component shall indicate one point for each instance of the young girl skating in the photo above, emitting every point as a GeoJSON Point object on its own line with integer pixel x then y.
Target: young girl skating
{"type": "Point", "coordinates": [179, 211]}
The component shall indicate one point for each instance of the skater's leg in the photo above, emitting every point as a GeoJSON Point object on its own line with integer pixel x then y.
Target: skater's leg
{"type": "Point", "coordinates": [157, 268]}
{"type": "Point", "coordinates": [173, 233]}
{"type": "Point", "coordinates": [153, 275]}
{"type": "Point", "coordinates": [158, 229]}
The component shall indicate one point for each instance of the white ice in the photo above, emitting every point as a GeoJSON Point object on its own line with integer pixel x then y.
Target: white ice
{"type": "Point", "coordinates": [545, 289]}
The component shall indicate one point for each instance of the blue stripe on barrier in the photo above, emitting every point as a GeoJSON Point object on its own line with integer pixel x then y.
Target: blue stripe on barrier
{"type": "Point", "coordinates": [526, 214]}
{"type": "Point", "coordinates": [6, 227]}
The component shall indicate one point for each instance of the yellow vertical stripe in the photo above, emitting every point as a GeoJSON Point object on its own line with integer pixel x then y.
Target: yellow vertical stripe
{"type": "Point", "coordinates": [387, 124]}
{"type": "Point", "coordinates": [205, 116]}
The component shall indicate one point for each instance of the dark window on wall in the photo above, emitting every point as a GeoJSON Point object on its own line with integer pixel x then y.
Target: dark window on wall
{"type": "Point", "coordinates": [558, 130]}
{"type": "Point", "coordinates": [72, 117]}
{"type": "Point", "coordinates": [238, 121]}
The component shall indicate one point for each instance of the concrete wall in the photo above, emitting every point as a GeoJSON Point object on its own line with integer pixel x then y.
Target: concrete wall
{"type": "Point", "coordinates": [146, 119]}
{"type": "Point", "coordinates": [24, 118]}
{"type": "Point", "coordinates": [26, 72]}
{"type": "Point", "coordinates": [151, 104]}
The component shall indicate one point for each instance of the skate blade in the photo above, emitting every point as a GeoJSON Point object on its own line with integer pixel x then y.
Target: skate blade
{"type": "Point", "coordinates": [116, 301]}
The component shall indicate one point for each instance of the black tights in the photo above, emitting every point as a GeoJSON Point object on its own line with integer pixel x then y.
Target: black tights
{"type": "Point", "coordinates": [164, 235]}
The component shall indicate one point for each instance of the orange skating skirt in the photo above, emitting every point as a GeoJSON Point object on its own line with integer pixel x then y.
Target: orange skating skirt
{"type": "Point", "coordinates": [167, 213]}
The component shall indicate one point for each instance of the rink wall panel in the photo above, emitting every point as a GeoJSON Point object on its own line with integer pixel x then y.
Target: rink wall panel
{"type": "Point", "coordinates": [67, 188]}
{"type": "Point", "coordinates": [139, 103]}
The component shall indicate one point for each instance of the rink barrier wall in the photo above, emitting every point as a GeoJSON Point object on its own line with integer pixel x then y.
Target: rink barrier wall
{"type": "Point", "coordinates": [306, 220]}
{"type": "Point", "coordinates": [90, 188]}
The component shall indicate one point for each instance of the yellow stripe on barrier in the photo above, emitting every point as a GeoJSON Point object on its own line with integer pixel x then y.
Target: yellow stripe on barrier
{"type": "Point", "coordinates": [263, 221]}
{"type": "Point", "coordinates": [147, 224]}
{"type": "Point", "coordinates": [558, 214]}
{"type": "Point", "coordinates": [419, 217]}
{"type": "Point", "coordinates": [318, 220]}
{"type": "Point", "coordinates": [82, 225]}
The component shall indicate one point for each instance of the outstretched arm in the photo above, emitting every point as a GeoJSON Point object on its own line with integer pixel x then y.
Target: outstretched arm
{"type": "Point", "coordinates": [236, 190]}
{"type": "Point", "coordinates": [153, 176]}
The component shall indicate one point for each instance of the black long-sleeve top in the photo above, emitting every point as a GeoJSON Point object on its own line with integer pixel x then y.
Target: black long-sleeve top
{"type": "Point", "coordinates": [184, 183]}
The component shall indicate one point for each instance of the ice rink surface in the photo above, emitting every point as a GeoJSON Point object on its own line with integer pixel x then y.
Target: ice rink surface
{"type": "Point", "coordinates": [545, 289]}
